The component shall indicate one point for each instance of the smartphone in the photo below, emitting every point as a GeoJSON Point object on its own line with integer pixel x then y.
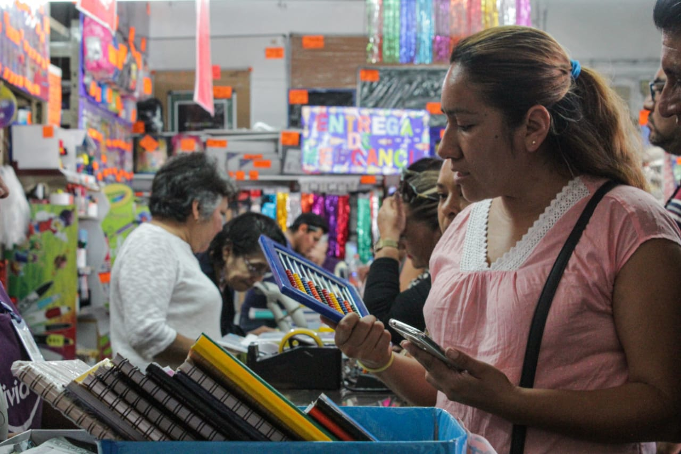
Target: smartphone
{"type": "Point", "coordinates": [421, 340]}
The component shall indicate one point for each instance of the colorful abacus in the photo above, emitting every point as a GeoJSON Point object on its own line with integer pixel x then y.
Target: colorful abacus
{"type": "Point", "coordinates": [311, 285]}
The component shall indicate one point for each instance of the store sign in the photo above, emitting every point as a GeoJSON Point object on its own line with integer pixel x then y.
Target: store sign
{"type": "Point", "coordinates": [103, 11]}
{"type": "Point", "coordinates": [363, 141]}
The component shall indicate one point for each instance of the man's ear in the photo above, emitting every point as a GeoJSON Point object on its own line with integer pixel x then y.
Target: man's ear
{"type": "Point", "coordinates": [196, 214]}
{"type": "Point", "coordinates": [537, 127]}
{"type": "Point", "coordinates": [226, 252]}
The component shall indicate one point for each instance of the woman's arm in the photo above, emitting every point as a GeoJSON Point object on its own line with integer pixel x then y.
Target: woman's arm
{"type": "Point", "coordinates": [368, 341]}
{"type": "Point", "coordinates": [647, 313]}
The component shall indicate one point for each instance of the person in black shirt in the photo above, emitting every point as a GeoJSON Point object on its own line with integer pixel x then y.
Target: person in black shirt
{"type": "Point", "coordinates": [410, 219]}
{"type": "Point", "coordinates": [235, 262]}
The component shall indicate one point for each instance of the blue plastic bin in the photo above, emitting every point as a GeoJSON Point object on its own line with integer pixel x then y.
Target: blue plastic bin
{"type": "Point", "coordinates": [401, 431]}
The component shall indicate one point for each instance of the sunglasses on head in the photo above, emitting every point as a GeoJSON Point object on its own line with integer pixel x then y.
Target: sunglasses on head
{"type": "Point", "coordinates": [409, 192]}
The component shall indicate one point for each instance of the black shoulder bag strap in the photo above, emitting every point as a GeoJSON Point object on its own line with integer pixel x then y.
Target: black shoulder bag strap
{"type": "Point", "coordinates": [541, 312]}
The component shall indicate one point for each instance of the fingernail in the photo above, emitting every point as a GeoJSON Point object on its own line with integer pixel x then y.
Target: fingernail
{"type": "Point", "coordinates": [452, 354]}
{"type": "Point", "coordinates": [402, 343]}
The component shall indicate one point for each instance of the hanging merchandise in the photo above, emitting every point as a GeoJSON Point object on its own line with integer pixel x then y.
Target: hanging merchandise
{"type": "Point", "coordinates": [306, 202]}
{"type": "Point", "coordinates": [8, 106]}
{"type": "Point", "coordinates": [283, 209]}
{"type": "Point", "coordinates": [364, 243]}
{"type": "Point", "coordinates": [343, 225]}
{"type": "Point", "coordinates": [101, 57]}
{"type": "Point", "coordinates": [408, 22]}
{"type": "Point", "coordinates": [441, 42]}
{"type": "Point", "coordinates": [376, 198]}
{"type": "Point", "coordinates": [490, 17]}
{"type": "Point", "coordinates": [474, 17]}
{"type": "Point", "coordinates": [523, 13]}
{"type": "Point", "coordinates": [373, 8]}
{"type": "Point", "coordinates": [507, 12]}
{"type": "Point", "coordinates": [318, 205]}
{"type": "Point", "coordinates": [391, 31]}
{"type": "Point", "coordinates": [425, 34]}
{"type": "Point", "coordinates": [203, 81]}
{"type": "Point", "coordinates": [269, 206]}
{"type": "Point", "coordinates": [331, 212]}
{"type": "Point", "coordinates": [458, 20]}
{"type": "Point", "coordinates": [15, 213]}
{"type": "Point", "coordinates": [295, 207]}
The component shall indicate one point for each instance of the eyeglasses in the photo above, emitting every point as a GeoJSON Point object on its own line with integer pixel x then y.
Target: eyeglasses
{"type": "Point", "coordinates": [409, 192]}
{"type": "Point", "coordinates": [257, 270]}
{"type": "Point", "coordinates": [656, 88]}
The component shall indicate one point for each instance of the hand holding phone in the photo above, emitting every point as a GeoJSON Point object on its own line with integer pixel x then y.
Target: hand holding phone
{"type": "Point", "coordinates": [421, 340]}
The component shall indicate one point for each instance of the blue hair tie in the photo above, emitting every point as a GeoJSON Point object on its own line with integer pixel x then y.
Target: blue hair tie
{"type": "Point", "coordinates": [576, 69]}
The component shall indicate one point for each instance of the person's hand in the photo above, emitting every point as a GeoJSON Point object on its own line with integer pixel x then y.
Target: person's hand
{"type": "Point", "coordinates": [262, 329]}
{"type": "Point", "coordinates": [391, 218]}
{"type": "Point", "coordinates": [365, 339]}
{"type": "Point", "coordinates": [668, 448]}
{"type": "Point", "coordinates": [480, 385]}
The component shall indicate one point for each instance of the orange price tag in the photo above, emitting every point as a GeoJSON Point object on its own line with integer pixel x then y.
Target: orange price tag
{"type": "Point", "coordinates": [435, 108]}
{"type": "Point", "coordinates": [216, 72]}
{"type": "Point", "coordinates": [138, 127]}
{"type": "Point", "coordinates": [252, 157]}
{"type": "Point", "coordinates": [240, 175]}
{"type": "Point", "coordinates": [253, 175]}
{"type": "Point", "coordinates": [274, 53]}
{"type": "Point", "coordinates": [369, 75]}
{"type": "Point", "coordinates": [222, 92]}
{"type": "Point", "coordinates": [48, 132]}
{"type": "Point", "coordinates": [290, 139]}
{"type": "Point", "coordinates": [262, 164]}
{"type": "Point", "coordinates": [143, 45]}
{"type": "Point", "coordinates": [442, 133]}
{"type": "Point", "coordinates": [149, 143]}
{"type": "Point", "coordinates": [367, 179]}
{"type": "Point", "coordinates": [216, 143]}
{"type": "Point", "coordinates": [187, 144]}
{"type": "Point", "coordinates": [643, 117]}
{"type": "Point", "coordinates": [147, 86]}
{"type": "Point", "coordinates": [313, 42]}
{"type": "Point", "coordinates": [105, 278]}
{"type": "Point", "coordinates": [298, 97]}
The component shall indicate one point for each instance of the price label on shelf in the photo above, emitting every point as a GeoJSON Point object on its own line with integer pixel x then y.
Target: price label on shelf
{"type": "Point", "coordinates": [290, 138]}
{"type": "Point", "coordinates": [313, 42]}
{"type": "Point", "coordinates": [298, 97]}
{"type": "Point", "coordinates": [274, 53]}
{"type": "Point", "coordinates": [222, 92]}
{"type": "Point", "coordinates": [434, 108]}
{"type": "Point", "coordinates": [369, 75]}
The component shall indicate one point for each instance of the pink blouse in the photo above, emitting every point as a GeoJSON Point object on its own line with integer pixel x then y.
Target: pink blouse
{"type": "Point", "coordinates": [486, 310]}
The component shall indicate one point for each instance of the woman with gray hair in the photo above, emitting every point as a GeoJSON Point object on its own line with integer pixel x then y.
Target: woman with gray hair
{"type": "Point", "coordinates": [161, 301]}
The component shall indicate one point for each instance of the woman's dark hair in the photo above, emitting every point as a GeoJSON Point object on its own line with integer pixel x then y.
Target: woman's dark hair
{"type": "Point", "coordinates": [516, 68]}
{"type": "Point", "coordinates": [421, 178]}
{"type": "Point", "coordinates": [667, 16]}
{"type": "Point", "coordinates": [184, 179]}
{"type": "Point", "coordinates": [241, 234]}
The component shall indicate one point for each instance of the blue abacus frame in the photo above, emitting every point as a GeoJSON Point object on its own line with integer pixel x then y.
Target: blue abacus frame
{"type": "Point", "coordinates": [272, 251]}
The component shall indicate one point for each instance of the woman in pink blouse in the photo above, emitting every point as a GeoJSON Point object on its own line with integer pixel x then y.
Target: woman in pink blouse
{"type": "Point", "coordinates": [530, 137]}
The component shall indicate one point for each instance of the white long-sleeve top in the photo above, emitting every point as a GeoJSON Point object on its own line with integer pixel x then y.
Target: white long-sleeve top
{"type": "Point", "coordinates": [157, 291]}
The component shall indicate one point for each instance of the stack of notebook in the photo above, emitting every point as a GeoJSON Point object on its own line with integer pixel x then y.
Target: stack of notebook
{"type": "Point", "coordinates": [211, 396]}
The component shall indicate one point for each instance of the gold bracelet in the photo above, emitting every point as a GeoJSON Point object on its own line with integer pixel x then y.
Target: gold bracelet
{"type": "Point", "coordinates": [380, 369]}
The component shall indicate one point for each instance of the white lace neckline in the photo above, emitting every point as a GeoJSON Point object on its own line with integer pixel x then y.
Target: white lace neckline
{"type": "Point", "coordinates": [475, 244]}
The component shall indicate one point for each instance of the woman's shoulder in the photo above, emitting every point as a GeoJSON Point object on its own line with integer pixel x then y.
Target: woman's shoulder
{"type": "Point", "coordinates": [634, 207]}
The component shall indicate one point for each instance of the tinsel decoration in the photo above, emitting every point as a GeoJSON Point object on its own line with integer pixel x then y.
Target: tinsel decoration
{"type": "Point", "coordinates": [490, 17]}
{"type": "Point", "coordinates": [331, 210]}
{"type": "Point", "coordinates": [523, 13]}
{"type": "Point", "coordinates": [408, 20]}
{"type": "Point", "coordinates": [426, 32]}
{"type": "Point", "coordinates": [318, 207]}
{"type": "Point", "coordinates": [391, 31]}
{"type": "Point", "coordinates": [294, 207]}
{"type": "Point", "coordinates": [441, 42]}
{"type": "Point", "coordinates": [364, 243]}
{"type": "Point", "coordinates": [507, 12]}
{"type": "Point", "coordinates": [306, 200]}
{"type": "Point", "coordinates": [269, 206]}
{"type": "Point", "coordinates": [376, 197]}
{"type": "Point", "coordinates": [374, 30]}
{"type": "Point", "coordinates": [343, 226]}
{"type": "Point", "coordinates": [474, 19]}
{"type": "Point", "coordinates": [282, 210]}
{"type": "Point", "coordinates": [458, 18]}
